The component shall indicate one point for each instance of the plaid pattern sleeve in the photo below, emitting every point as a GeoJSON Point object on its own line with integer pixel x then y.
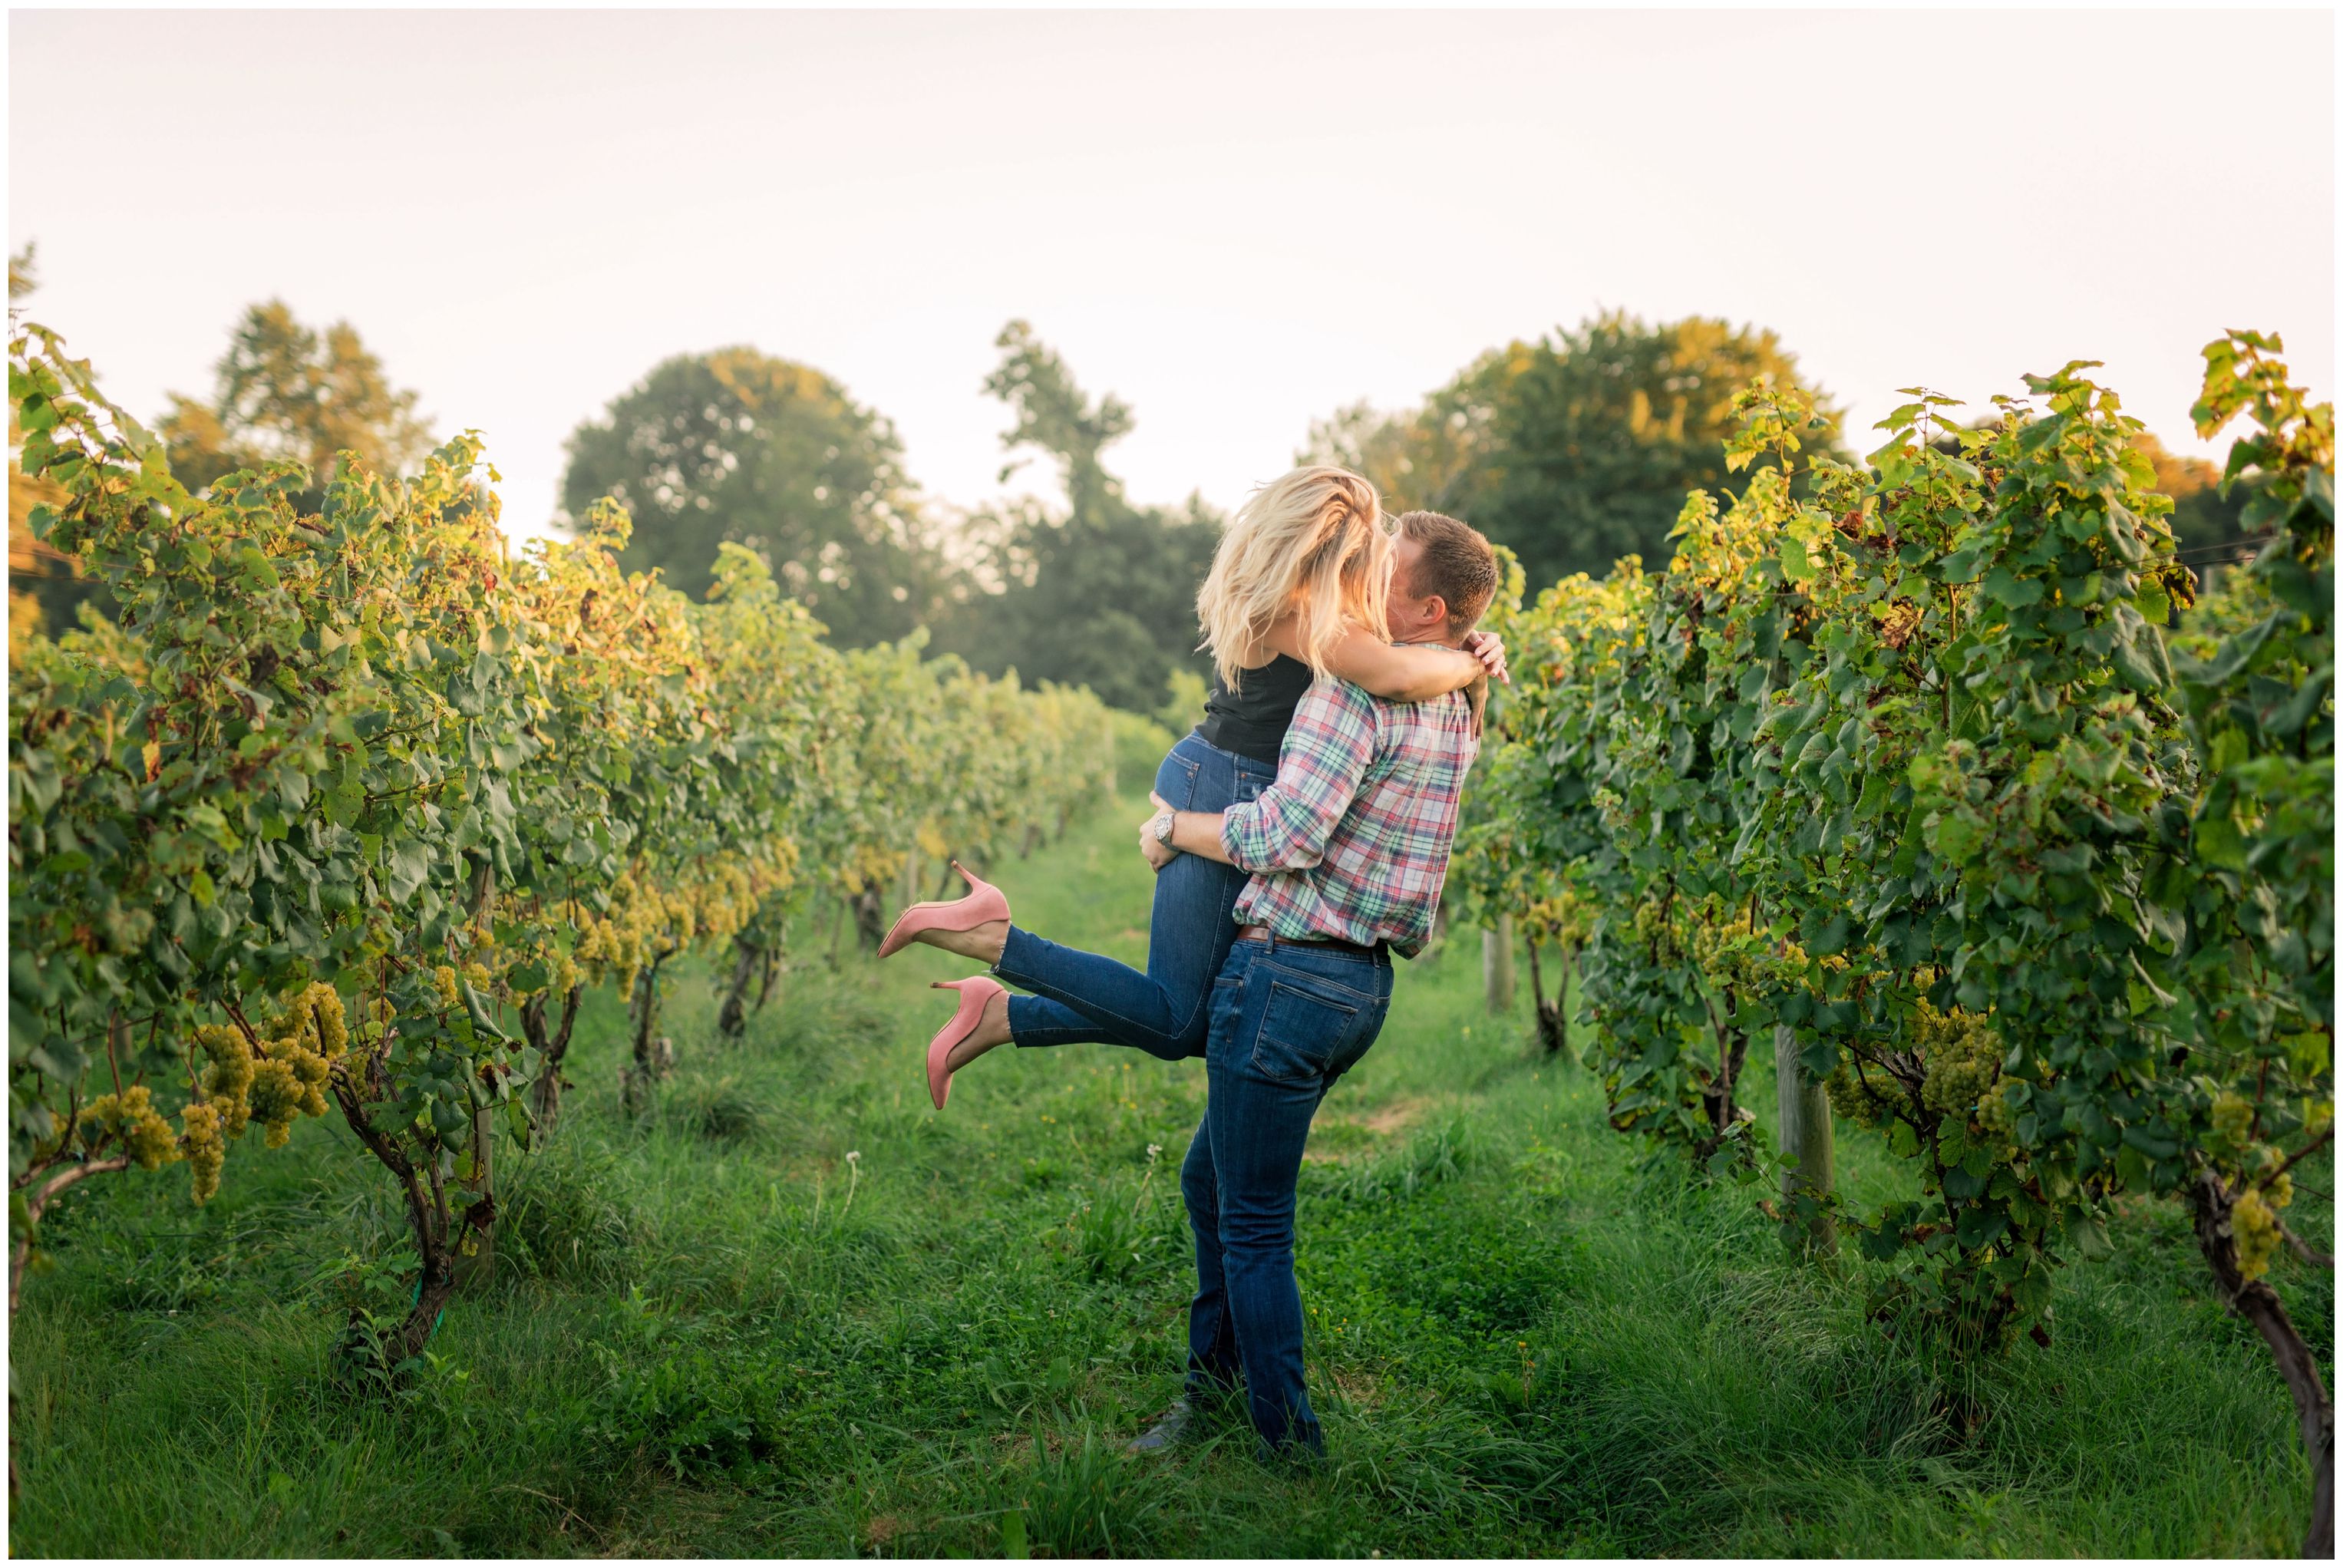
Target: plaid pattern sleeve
{"type": "Point", "coordinates": [1326, 752]}
{"type": "Point", "coordinates": [1352, 841]}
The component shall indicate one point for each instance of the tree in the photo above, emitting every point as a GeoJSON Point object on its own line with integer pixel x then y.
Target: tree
{"type": "Point", "coordinates": [285, 390]}
{"type": "Point", "coordinates": [1576, 449]}
{"type": "Point", "coordinates": [1104, 594]}
{"type": "Point", "coordinates": [736, 446]}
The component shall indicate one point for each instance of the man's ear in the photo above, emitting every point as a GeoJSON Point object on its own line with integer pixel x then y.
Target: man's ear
{"type": "Point", "coordinates": [1435, 610]}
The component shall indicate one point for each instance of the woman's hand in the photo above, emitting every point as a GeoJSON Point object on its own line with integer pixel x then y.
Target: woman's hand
{"type": "Point", "coordinates": [1490, 650]}
{"type": "Point", "coordinates": [1158, 853]}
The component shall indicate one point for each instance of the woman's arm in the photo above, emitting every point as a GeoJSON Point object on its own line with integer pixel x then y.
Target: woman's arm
{"type": "Point", "coordinates": [1394, 671]}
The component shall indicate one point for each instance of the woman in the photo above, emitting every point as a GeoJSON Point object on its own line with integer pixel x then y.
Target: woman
{"type": "Point", "coordinates": [1297, 589]}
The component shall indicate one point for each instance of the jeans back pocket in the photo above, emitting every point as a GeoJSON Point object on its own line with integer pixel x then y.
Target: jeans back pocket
{"type": "Point", "coordinates": [1301, 1032]}
{"type": "Point", "coordinates": [1175, 779]}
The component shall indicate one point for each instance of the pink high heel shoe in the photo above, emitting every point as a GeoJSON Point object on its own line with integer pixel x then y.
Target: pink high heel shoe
{"type": "Point", "coordinates": [984, 902]}
{"type": "Point", "coordinates": [976, 994]}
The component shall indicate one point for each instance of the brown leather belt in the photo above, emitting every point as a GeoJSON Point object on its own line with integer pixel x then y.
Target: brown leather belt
{"type": "Point", "coordinates": [1263, 934]}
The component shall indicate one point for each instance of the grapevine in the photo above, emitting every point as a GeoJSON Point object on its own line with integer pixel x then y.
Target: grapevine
{"type": "Point", "coordinates": [344, 809]}
{"type": "Point", "coordinates": [1896, 758]}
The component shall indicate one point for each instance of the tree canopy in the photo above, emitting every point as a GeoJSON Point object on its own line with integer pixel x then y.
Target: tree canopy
{"type": "Point", "coordinates": [1102, 594]}
{"type": "Point", "coordinates": [285, 390]}
{"type": "Point", "coordinates": [736, 446]}
{"type": "Point", "coordinates": [1575, 450]}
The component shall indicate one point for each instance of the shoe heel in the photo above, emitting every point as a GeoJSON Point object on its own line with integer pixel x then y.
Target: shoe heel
{"type": "Point", "coordinates": [976, 994]}
{"type": "Point", "coordinates": [983, 902]}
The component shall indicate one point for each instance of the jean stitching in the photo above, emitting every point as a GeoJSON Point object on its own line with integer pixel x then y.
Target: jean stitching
{"type": "Point", "coordinates": [1204, 1002]}
{"type": "Point", "coordinates": [1191, 765]}
{"type": "Point", "coordinates": [1320, 950]}
{"type": "Point", "coordinates": [1302, 974]}
{"type": "Point", "coordinates": [1201, 1007]}
{"type": "Point", "coordinates": [1275, 986]}
{"type": "Point", "coordinates": [1260, 1034]}
{"type": "Point", "coordinates": [1072, 1034]}
{"type": "Point", "coordinates": [1065, 998]}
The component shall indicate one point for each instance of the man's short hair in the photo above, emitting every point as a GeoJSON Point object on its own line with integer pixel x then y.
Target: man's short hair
{"type": "Point", "coordinates": [1457, 564]}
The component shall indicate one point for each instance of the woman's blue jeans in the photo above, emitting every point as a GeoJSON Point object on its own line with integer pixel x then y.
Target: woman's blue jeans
{"type": "Point", "coordinates": [1081, 997]}
{"type": "Point", "coordinates": [1287, 1020]}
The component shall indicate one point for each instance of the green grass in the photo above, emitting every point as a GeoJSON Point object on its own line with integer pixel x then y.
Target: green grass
{"type": "Point", "coordinates": [714, 1334]}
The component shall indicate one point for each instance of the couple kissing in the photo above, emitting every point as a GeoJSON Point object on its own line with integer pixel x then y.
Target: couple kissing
{"type": "Point", "coordinates": [1301, 837]}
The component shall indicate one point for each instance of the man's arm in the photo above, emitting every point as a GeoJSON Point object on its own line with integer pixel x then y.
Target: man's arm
{"type": "Point", "coordinates": [1193, 833]}
{"type": "Point", "coordinates": [1327, 752]}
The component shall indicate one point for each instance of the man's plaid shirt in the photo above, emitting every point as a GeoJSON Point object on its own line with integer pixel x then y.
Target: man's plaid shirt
{"type": "Point", "coordinates": [1352, 841]}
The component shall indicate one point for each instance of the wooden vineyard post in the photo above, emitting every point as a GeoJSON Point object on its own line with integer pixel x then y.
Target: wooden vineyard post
{"type": "Point", "coordinates": [1806, 1140]}
{"type": "Point", "coordinates": [1497, 965]}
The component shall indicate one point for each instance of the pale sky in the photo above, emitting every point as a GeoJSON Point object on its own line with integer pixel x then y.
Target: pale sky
{"type": "Point", "coordinates": [1236, 222]}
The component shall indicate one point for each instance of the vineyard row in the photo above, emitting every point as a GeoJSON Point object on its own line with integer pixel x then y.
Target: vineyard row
{"type": "Point", "coordinates": [340, 813]}
{"type": "Point", "coordinates": [1895, 769]}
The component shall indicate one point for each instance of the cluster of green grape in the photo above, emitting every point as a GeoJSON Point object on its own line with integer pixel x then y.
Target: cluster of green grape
{"type": "Point", "coordinates": [1850, 1099]}
{"type": "Point", "coordinates": [130, 1116]}
{"type": "Point", "coordinates": [449, 981]}
{"type": "Point", "coordinates": [227, 1082]}
{"type": "Point", "coordinates": [1733, 956]}
{"type": "Point", "coordinates": [1963, 1053]}
{"type": "Point", "coordinates": [203, 1143]}
{"type": "Point", "coordinates": [274, 1080]}
{"type": "Point", "coordinates": [1960, 1055]}
{"type": "Point", "coordinates": [2233, 1119]}
{"type": "Point", "coordinates": [289, 1080]}
{"type": "Point", "coordinates": [2253, 1216]}
{"type": "Point", "coordinates": [620, 942]}
{"type": "Point", "coordinates": [2253, 1220]}
{"type": "Point", "coordinates": [706, 903]}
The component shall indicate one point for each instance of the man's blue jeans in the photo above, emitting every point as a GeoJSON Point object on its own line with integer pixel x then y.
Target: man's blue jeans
{"type": "Point", "coordinates": [1287, 1020]}
{"type": "Point", "coordinates": [1081, 997]}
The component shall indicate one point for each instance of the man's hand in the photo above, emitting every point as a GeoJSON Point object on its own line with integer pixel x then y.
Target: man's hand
{"type": "Point", "coordinates": [1490, 650]}
{"type": "Point", "coordinates": [1193, 833]}
{"type": "Point", "coordinates": [1158, 853]}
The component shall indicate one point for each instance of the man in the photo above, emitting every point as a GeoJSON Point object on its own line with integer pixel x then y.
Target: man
{"type": "Point", "coordinates": [1348, 850]}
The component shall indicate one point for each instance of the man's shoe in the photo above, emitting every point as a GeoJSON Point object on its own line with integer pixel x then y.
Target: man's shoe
{"type": "Point", "coordinates": [1177, 1426]}
{"type": "Point", "coordinates": [1295, 1452]}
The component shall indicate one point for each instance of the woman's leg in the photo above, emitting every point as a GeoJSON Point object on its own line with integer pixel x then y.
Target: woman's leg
{"type": "Point", "coordinates": [1080, 997]}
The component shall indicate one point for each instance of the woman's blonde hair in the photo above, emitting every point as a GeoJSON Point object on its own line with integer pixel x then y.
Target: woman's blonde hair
{"type": "Point", "coordinates": [1311, 544]}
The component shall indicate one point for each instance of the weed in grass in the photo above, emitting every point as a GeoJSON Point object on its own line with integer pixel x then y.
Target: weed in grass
{"type": "Point", "coordinates": [718, 1110]}
{"type": "Point", "coordinates": [567, 1218]}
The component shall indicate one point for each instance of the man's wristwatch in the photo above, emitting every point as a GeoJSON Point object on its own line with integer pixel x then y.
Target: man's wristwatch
{"type": "Point", "coordinates": [1162, 826]}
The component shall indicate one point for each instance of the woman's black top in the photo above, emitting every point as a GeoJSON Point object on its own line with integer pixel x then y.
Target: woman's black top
{"type": "Point", "coordinates": [1252, 720]}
